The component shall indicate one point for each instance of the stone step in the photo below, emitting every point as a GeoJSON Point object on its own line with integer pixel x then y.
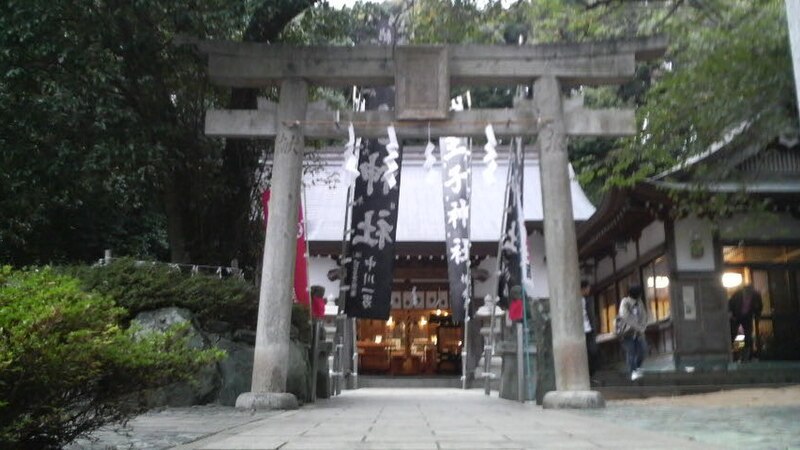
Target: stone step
{"type": "Point", "coordinates": [742, 375]}
{"type": "Point", "coordinates": [634, 391]}
{"type": "Point", "coordinates": [408, 382]}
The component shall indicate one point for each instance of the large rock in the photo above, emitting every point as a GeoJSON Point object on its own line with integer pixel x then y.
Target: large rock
{"type": "Point", "coordinates": [162, 319]}
{"type": "Point", "coordinates": [299, 374]}
{"type": "Point", "coordinates": [236, 371]}
{"type": "Point", "coordinates": [207, 380]}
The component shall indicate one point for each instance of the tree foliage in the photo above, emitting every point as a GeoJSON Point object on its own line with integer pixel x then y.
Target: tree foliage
{"type": "Point", "coordinates": [140, 286]}
{"type": "Point", "coordinates": [67, 366]}
{"type": "Point", "coordinates": [102, 143]}
{"type": "Point", "coordinates": [102, 118]}
{"type": "Point", "coordinates": [727, 67]}
{"type": "Point", "coordinates": [728, 63]}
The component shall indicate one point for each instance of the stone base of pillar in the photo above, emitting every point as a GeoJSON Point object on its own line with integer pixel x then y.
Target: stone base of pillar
{"type": "Point", "coordinates": [573, 400]}
{"type": "Point", "coordinates": [266, 400]}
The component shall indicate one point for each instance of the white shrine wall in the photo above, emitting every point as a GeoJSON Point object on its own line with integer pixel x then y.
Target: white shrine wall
{"type": "Point", "coordinates": [318, 268]}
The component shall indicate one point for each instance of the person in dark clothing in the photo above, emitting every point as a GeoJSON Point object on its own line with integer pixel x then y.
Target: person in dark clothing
{"type": "Point", "coordinates": [744, 306]}
{"type": "Point", "coordinates": [589, 326]}
{"type": "Point", "coordinates": [632, 321]}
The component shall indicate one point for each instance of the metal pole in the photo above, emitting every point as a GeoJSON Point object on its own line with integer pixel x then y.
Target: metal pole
{"type": "Point", "coordinates": [354, 373]}
{"type": "Point", "coordinates": [465, 343]}
{"type": "Point", "coordinates": [337, 358]}
{"type": "Point", "coordinates": [312, 320]}
{"type": "Point", "coordinates": [488, 350]}
{"type": "Point", "coordinates": [520, 365]}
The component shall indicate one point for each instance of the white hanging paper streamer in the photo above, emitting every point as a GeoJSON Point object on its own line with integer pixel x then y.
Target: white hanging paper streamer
{"type": "Point", "coordinates": [350, 158]}
{"type": "Point", "coordinates": [457, 104]}
{"type": "Point", "coordinates": [430, 159]}
{"type": "Point", "coordinates": [389, 160]}
{"type": "Point", "coordinates": [430, 162]}
{"type": "Point", "coordinates": [491, 155]}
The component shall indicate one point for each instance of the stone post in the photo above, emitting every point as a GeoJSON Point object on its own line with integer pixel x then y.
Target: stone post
{"type": "Point", "coordinates": [271, 357]}
{"type": "Point", "coordinates": [561, 249]}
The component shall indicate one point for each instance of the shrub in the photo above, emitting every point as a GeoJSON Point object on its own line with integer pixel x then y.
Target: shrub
{"type": "Point", "coordinates": [143, 287]}
{"type": "Point", "coordinates": [67, 367]}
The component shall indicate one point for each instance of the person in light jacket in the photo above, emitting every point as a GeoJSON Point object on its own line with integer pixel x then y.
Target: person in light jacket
{"type": "Point", "coordinates": [633, 315]}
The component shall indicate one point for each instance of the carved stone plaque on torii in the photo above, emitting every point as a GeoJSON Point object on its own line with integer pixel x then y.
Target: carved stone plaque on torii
{"type": "Point", "coordinates": [422, 76]}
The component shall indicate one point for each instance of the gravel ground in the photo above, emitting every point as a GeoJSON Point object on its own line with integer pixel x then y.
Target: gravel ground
{"type": "Point", "coordinates": [742, 418]}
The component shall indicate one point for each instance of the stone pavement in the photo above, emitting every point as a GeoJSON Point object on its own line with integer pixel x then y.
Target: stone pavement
{"type": "Point", "coordinates": [432, 419]}
{"type": "Point", "coordinates": [451, 418]}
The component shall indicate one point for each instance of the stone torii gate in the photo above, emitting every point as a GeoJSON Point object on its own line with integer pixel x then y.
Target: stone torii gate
{"type": "Point", "coordinates": [422, 76]}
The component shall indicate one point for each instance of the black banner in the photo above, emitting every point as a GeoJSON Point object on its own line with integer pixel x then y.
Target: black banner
{"type": "Point", "coordinates": [510, 264]}
{"type": "Point", "coordinates": [374, 226]}
{"type": "Point", "coordinates": [457, 188]}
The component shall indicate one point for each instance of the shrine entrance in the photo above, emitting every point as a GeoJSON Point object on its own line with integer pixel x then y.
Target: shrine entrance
{"type": "Point", "coordinates": [422, 76]}
{"type": "Point", "coordinates": [424, 342]}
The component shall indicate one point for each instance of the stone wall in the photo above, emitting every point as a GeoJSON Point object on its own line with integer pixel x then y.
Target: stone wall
{"type": "Point", "coordinates": [221, 382]}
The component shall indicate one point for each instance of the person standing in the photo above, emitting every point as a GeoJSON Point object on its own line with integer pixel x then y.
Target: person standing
{"type": "Point", "coordinates": [744, 306]}
{"type": "Point", "coordinates": [589, 326]}
{"type": "Point", "coordinates": [632, 320]}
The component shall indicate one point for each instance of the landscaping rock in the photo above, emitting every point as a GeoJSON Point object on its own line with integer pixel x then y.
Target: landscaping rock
{"type": "Point", "coordinates": [207, 381]}
{"type": "Point", "coordinates": [297, 379]}
{"type": "Point", "coordinates": [236, 371]}
{"type": "Point", "coordinates": [162, 319]}
{"type": "Point", "coordinates": [246, 336]}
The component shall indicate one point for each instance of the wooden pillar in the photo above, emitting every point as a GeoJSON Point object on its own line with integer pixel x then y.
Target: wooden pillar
{"type": "Point", "coordinates": [561, 249]}
{"type": "Point", "coordinates": [271, 359]}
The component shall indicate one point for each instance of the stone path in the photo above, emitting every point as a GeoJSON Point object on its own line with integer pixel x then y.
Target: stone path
{"type": "Point", "coordinates": [432, 419]}
{"type": "Point", "coordinates": [451, 418]}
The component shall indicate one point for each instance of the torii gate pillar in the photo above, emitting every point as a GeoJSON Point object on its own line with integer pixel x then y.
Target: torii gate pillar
{"type": "Point", "coordinates": [569, 342]}
{"type": "Point", "coordinates": [268, 388]}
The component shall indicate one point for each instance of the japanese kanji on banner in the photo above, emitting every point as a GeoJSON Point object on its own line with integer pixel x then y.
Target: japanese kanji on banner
{"type": "Point", "coordinates": [374, 227]}
{"type": "Point", "coordinates": [456, 174]}
{"type": "Point", "coordinates": [513, 238]}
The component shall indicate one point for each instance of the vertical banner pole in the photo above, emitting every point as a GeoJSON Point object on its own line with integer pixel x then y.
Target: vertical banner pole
{"type": "Point", "coordinates": [488, 352]}
{"type": "Point", "coordinates": [354, 373]}
{"type": "Point", "coordinates": [312, 389]}
{"type": "Point", "coordinates": [465, 345]}
{"type": "Point", "coordinates": [520, 364]}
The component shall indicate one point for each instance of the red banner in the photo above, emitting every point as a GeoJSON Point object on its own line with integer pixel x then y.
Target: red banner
{"type": "Point", "coordinates": [300, 264]}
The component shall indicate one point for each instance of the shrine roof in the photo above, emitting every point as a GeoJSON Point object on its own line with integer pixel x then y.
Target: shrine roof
{"type": "Point", "coordinates": [421, 209]}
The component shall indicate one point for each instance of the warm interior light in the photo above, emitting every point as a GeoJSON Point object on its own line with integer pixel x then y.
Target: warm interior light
{"type": "Point", "coordinates": [390, 322]}
{"type": "Point", "coordinates": [438, 312]}
{"type": "Point", "coordinates": [378, 339]}
{"type": "Point", "coordinates": [422, 322]}
{"type": "Point", "coordinates": [659, 281]}
{"type": "Point", "coordinates": [731, 279]}
{"type": "Point", "coordinates": [434, 339]}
